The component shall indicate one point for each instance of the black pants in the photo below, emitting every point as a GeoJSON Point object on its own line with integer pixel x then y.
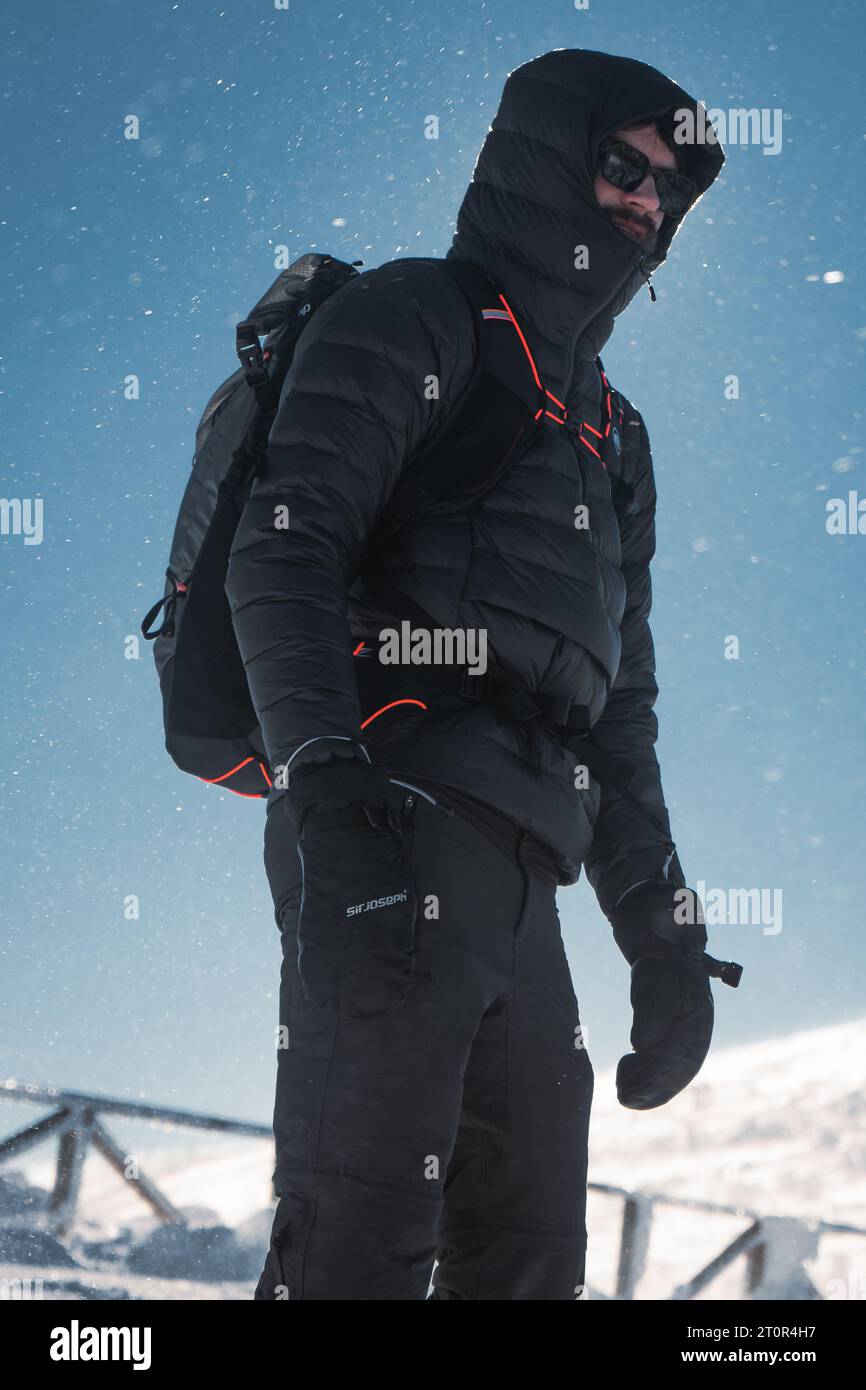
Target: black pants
{"type": "Point", "coordinates": [454, 1128]}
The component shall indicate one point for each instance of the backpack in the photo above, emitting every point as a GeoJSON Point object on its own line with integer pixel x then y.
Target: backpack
{"type": "Point", "coordinates": [211, 728]}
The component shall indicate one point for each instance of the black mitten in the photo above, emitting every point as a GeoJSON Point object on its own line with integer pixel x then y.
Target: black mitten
{"type": "Point", "coordinates": [660, 930]}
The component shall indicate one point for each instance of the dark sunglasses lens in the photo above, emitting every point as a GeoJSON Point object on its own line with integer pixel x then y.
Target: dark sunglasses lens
{"type": "Point", "coordinates": [626, 168]}
{"type": "Point", "coordinates": [675, 192]}
{"type": "Point", "coordinates": [623, 166]}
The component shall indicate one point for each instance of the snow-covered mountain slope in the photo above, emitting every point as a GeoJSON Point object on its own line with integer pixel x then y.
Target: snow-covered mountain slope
{"type": "Point", "coordinates": [775, 1127]}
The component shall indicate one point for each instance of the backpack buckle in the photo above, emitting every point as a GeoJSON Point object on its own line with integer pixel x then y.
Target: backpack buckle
{"type": "Point", "coordinates": [520, 704]}
{"type": "Point", "coordinates": [250, 356]}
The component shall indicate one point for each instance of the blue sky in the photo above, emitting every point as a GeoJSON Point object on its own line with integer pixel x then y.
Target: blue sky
{"type": "Point", "coordinates": [305, 128]}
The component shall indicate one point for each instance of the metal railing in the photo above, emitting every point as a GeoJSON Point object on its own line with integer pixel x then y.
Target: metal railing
{"type": "Point", "coordinates": [75, 1122]}
{"type": "Point", "coordinates": [775, 1248]}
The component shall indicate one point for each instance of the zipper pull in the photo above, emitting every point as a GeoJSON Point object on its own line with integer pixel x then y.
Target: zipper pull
{"type": "Point", "coordinates": [646, 277]}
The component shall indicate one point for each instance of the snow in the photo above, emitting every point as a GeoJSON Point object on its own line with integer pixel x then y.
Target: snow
{"type": "Point", "coordinates": [776, 1128]}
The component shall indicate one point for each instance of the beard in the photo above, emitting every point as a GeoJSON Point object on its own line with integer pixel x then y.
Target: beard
{"type": "Point", "coordinates": [640, 230]}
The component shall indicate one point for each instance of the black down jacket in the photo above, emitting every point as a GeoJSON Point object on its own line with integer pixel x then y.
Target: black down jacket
{"type": "Point", "coordinates": [565, 609]}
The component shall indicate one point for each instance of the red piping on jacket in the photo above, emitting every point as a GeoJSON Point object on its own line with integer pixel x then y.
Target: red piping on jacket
{"type": "Point", "coordinates": [606, 403]}
{"type": "Point", "coordinates": [230, 773]}
{"type": "Point", "coordinates": [214, 781]}
{"type": "Point", "coordinates": [490, 313]}
{"type": "Point", "coordinates": [385, 708]}
{"type": "Point", "coordinates": [523, 341]}
{"type": "Point", "coordinates": [584, 424]}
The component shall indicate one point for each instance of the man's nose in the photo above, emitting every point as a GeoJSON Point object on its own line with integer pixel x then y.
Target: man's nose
{"type": "Point", "coordinates": [646, 195]}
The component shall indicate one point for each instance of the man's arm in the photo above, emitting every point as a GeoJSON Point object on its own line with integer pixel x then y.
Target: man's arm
{"type": "Point", "coordinates": [353, 410]}
{"type": "Point", "coordinates": [658, 923]}
{"type": "Point", "coordinates": [632, 846]}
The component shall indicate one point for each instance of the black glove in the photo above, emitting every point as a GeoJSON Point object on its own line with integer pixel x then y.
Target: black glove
{"type": "Point", "coordinates": [660, 930]}
{"type": "Point", "coordinates": [356, 932]}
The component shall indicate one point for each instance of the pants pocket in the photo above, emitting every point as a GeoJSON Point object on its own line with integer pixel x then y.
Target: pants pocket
{"type": "Point", "coordinates": [282, 1278]}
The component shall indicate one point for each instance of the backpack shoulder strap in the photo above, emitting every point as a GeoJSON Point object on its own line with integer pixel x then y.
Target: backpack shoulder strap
{"type": "Point", "coordinates": [492, 422]}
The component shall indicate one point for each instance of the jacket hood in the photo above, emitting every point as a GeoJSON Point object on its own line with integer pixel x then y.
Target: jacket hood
{"type": "Point", "coordinates": [531, 201]}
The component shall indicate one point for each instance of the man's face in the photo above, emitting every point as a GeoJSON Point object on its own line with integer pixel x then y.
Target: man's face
{"type": "Point", "coordinates": [637, 214]}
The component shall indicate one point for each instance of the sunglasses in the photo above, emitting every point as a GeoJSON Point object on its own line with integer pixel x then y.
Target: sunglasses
{"type": "Point", "coordinates": [626, 168]}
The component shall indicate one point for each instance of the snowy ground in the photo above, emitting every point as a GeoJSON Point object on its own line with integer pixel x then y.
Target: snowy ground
{"type": "Point", "coordinates": [776, 1128]}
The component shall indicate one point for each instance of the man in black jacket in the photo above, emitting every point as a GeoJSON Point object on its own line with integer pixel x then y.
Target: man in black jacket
{"type": "Point", "coordinates": [433, 1089]}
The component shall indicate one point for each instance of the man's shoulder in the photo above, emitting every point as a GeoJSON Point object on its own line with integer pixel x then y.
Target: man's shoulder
{"type": "Point", "coordinates": [409, 316]}
{"type": "Point", "coordinates": [416, 290]}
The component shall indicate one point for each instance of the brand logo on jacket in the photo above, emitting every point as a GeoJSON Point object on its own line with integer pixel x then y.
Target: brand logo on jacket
{"type": "Point", "coordinates": [617, 442]}
{"type": "Point", "coordinates": [375, 903]}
